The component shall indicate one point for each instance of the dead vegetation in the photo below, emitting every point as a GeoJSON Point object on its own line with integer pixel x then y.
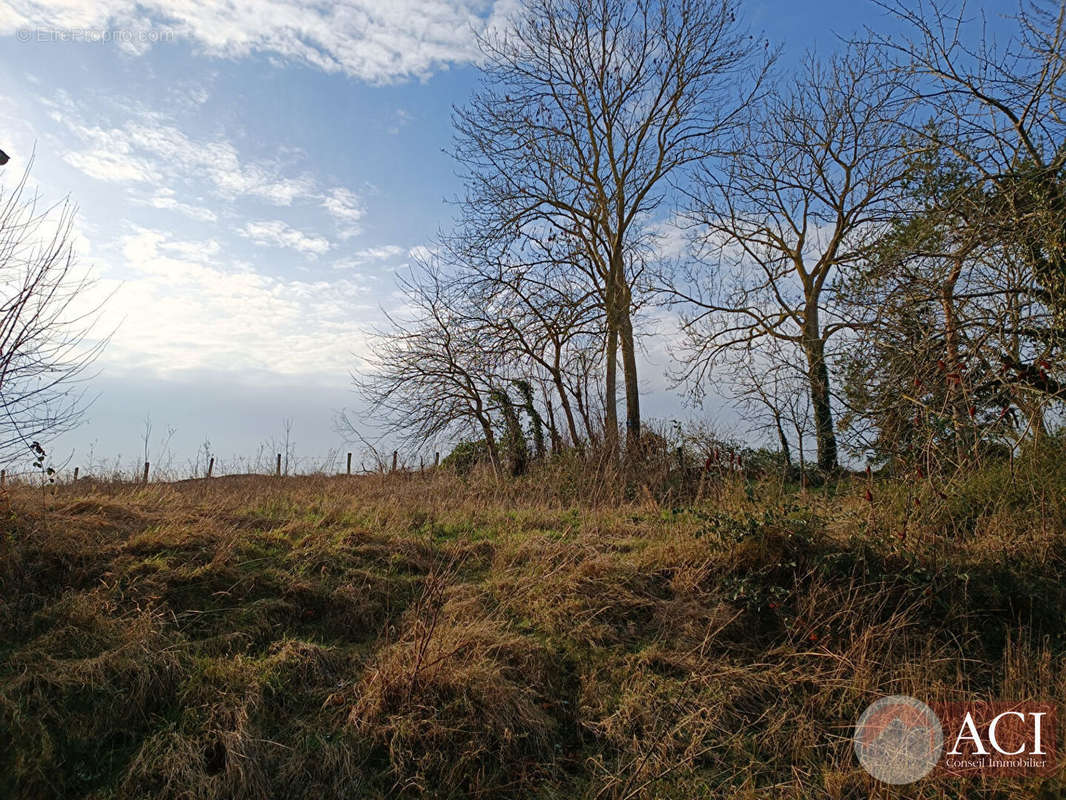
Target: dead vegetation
{"type": "Point", "coordinates": [440, 636]}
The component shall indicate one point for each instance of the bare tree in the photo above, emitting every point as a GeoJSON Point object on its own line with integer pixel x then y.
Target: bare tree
{"type": "Point", "coordinates": [287, 446]}
{"type": "Point", "coordinates": [770, 388]}
{"type": "Point", "coordinates": [811, 177]}
{"type": "Point", "coordinates": [587, 111]}
{"type": "Point", "coordinates": [431, 375]}
{"type": "Point", "coordinates": [46, 322]}
{"type": "Point", "coordinates": [541, 319]}
{"type": "Point", "coordinates": [146, 441]}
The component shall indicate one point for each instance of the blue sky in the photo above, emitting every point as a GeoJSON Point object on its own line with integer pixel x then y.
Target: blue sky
{"type": "Point", "coordinates": [249, 177]}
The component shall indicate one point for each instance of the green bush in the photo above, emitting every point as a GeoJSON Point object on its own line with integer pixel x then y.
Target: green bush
{"type": "Point", "coordinates": [466, 456]}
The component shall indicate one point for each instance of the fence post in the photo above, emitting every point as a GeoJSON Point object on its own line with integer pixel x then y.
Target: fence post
{"type": "Point", "coordinates": [421, 464]}
{"type": "Point", "coordinates": [146, 472]}
{"type": "Point", "coordinates": [436, 460]}
{"type": "Point", "coordinates": [278, 469]}
{"type": "Point", "coordinates": [3, 478]}
{"type": "Point", "coordinates": [395, 455]}
{"type": "Point", "coordinates": [210, 466]}
{"type": "Point", "coordinates": [75, 475]}
{"type": "Point", "coordinates": [349, 463]}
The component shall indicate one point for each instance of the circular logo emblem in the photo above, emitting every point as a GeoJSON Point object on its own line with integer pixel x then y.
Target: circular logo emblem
{"type": "Point", "coordinates": [898, 739]}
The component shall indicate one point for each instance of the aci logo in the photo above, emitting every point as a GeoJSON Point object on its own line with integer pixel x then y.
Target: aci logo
{"type": "Point", "coordinates": [1000, 739]}
{"type": "Point", "coordinates": [900, 739]}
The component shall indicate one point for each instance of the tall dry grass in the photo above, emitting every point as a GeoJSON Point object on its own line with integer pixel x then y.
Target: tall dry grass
{"type": "Point", "coordinates": [572, 633]}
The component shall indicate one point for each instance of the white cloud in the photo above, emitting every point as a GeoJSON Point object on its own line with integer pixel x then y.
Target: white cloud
{"type": "Point", "coordinates": [374, 40]}
{"type": "Point", "coordinates": [346, 208]}
{"type": "Point", "coordinates": [115, 166]}
{"type": "Point", "coordinates": [276, 233]}
{"type": "Point", "coordinates": [186, 309]}
{"type": "Point", "coordinates": [197, 250]}
{"type": "Point", "coordinates": [672, 240]}
{"type": "Point", "coordinates": [370, 254]}
{"type": "Point", "coordinates": [164, 198]}
{"type": "Point", "coordinates": [422, 253]}
{"type": "Point", "coordinates": [146, 148]}
{"type": "Point", "coordinates": [402, 118]}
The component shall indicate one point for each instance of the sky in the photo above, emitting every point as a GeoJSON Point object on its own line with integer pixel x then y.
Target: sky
{"type": "Point", "coordinates": [249, 177]}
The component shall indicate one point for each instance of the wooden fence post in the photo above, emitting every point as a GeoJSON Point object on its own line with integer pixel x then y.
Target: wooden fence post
{"type": "Point", "coordinates": [210, 466]}
{"type": "Point", "coordinates": [3, 478]}
{"type": "Point", "coordinates": [349, 463]}
{"type": "Point", "coordinates": [395, 455]}
{"type": "Point", "coordinates": [421, 464]}
{"type": "Point", "coordinates": [75, 475]}
{"type": "Point", "coordinates": [146, 472]}
{"type": "Point", "coordinates": [436, 460]}
{"type": "Point", "coordinates": [278, 469]}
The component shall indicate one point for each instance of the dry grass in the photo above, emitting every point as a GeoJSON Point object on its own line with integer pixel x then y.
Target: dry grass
{"type": "Point", "coordinates": [436, 636]}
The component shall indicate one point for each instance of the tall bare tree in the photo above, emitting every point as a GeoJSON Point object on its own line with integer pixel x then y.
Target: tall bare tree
{"type": "Point", "coordinates": [812, 176]}
{"type": "Point", "coordinates": [587, 111]}
{"type": "Point", "coordinates": [47, 322]}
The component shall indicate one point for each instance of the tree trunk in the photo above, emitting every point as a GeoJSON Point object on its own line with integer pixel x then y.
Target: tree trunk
{"type": "Point", "coordinates": [610, 432]}
{"type": "Point", "coordinates": [786, 452]}
{"type": "Point", "coordinates": [586, 416]}
{"type": "Point", "coordinates": [514, 438]}
{"type": "Point", "coordinates": [818, 375]}
{"type": "Point", "coordinates": [490, 440]}
{"type": "Point", "coordinates": [553, 430]}
{"type": "Point", "coordinates": [564, 401]}
{"type": "Point", "coordinates": [629, 371]}
{"type": "Point", "coordinates": [963, 429]}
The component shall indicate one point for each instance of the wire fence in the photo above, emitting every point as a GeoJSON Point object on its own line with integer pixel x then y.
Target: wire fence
{"type": "Point", "coordinates": [278, 465]}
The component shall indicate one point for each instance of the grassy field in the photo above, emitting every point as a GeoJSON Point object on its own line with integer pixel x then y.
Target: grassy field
{"type": "Point", "coordinates": [429, 635]}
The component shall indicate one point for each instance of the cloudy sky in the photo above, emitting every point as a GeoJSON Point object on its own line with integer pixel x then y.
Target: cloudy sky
{"type": "Point", "coordinates": [249, 176]}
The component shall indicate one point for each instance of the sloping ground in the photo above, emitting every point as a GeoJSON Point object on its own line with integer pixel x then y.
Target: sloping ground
{"type": "Point", "coordinates": [422, 636]}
